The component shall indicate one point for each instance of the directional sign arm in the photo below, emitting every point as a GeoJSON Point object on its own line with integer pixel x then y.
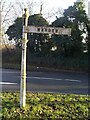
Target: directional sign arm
{"type": "Point", "coordinates": [47, 30]}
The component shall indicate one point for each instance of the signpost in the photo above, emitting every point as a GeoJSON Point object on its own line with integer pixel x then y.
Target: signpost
{"type": "Point", "coordinates": [23, 62]}
{"type": "Point", "coordinates": [33, 29]}
{"type": "Point", "coordinates": [47, 30]}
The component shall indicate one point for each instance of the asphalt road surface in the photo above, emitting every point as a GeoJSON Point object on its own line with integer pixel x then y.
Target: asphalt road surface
{"type": "Point", "coordinates": [52, 82]}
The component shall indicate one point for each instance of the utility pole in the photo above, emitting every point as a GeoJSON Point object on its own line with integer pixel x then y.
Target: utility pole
{"type": "Point", "coordinates": [23, 61]}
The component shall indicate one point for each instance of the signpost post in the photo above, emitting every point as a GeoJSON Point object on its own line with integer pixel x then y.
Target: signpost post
{"type": "Point", "coordinates": [33, 29]}
{"type": "Point", "coordinates": [23, 62]}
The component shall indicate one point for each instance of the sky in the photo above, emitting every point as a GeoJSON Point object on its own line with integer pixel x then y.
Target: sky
{"type": "Point", "coordinates": [50, 8]}
{"type": "Point", "coordinates": [56, 3]}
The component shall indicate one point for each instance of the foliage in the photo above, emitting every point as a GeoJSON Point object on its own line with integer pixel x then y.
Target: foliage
{"type": "Point", "coordinates": [37, 42]}
{"type": "Point", "coordinates": [37, 20]}
{"type": "Point", "coordinates": [45, 106]}
{"type": "Point", "coordinates": [15, 30]}
{"type": "Point", "coordinates": [75, 18]}
{"type": "Point", "coordinates": [88, 37]}
{"type": "Point", "coordinates": [50, 61]}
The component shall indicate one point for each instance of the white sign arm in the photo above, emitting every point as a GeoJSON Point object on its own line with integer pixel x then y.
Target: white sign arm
{"type": "Point", "coordinates": [47, 30]}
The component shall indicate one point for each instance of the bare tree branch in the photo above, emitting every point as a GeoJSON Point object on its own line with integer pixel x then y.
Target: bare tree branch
{"type": "Point", "coordinates": [2, 4]}
{"type": "Point", "coordinates": [7, 12]}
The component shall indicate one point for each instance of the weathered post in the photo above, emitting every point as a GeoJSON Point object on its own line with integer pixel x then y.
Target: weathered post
{"type": "Point", "coordinates": [23, 61]}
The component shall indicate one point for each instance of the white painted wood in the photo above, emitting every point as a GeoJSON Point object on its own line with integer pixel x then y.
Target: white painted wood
{"type": "Point", "coordinates": [47, 30]}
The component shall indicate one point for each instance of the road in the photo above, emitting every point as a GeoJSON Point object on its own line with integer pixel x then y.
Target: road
{"type": "Point", "coordinates": [52, 82]}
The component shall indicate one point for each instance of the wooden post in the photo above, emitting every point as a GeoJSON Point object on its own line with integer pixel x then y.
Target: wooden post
{"type": "Point", "coordinates": [23, 62]}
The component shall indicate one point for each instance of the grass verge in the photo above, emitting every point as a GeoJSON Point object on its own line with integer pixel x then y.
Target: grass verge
{"type": "Point", "coordinates": [46, 106]}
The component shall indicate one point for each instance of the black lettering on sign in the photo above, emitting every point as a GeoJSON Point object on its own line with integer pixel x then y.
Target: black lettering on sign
{"type": "Point", "coordinates": [49, 30]}
{"type": "Point", "coordinates": [45, 30]}
{"type": "Point", "coordinates": [52, 30]}
{"type": "Point", "coordinates": [56, 30]}
{"type": "Point", "coordinates": [38, 29]}
{"type": "Point", "coordinates": [42, 29]}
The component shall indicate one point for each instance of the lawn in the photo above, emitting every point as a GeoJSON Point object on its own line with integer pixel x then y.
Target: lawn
{"type": "Point", "coordinates": [45, 106]}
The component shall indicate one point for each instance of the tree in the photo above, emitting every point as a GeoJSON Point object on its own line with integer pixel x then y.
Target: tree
{"type": "Point", "coordinates": [36, 41]}
{"type": "Point", "coordinates": [76, 18]}
{"type": "Point", "coordinates": [7, 7]}
{"type": "Point", "coordinates": [88, 36]}
{"type": "Point", "coordinates": [15, 31]}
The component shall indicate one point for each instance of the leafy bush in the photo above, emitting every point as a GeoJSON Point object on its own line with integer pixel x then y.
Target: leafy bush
{"type": "Point", "coordinates": [46, 106]}
{"type": "Point", "coordinates": [13, 60]}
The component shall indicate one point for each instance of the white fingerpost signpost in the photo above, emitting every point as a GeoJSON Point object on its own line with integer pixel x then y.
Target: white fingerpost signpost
{"type": "Point", "coordinates": [47, 30]}
{"type": "Point", "coordinates": [33, 29]}
{"type": "Point", "coordinates": [23, 61]}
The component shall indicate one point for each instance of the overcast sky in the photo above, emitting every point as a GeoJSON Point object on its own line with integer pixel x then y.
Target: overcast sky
{"type": "Point", "coordinates": [54, 3]}
{"type": "Point", "coordinates": [49, 8]}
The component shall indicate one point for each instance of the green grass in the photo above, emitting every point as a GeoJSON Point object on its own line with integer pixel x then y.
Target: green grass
{"type": "Point", "coordinates": [40, 106]}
